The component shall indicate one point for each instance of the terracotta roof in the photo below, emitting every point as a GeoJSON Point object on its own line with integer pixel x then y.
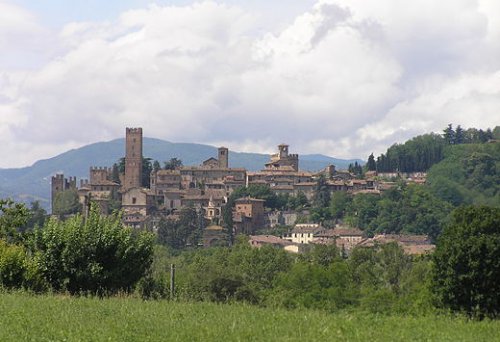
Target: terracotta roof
{"type": "Point", "coordinates": [339, 231]}
{"type": "Point", "coordinates": [105, 182]}
{"type": "Point", "coordinates": [305, 228]}
{"type": "Point", "coordinates": [419, 249]}
{"type": "Point", "coordinates": [249, 199]}
{"type": "Point", "coordinates": [270, 239]}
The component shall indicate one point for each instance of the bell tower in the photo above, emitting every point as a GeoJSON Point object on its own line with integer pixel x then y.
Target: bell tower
{"type": "Point", "coordinates": [133, 158]}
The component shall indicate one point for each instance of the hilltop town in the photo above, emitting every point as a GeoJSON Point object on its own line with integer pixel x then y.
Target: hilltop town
{"type": "Point", "coordinates": [207, 188]}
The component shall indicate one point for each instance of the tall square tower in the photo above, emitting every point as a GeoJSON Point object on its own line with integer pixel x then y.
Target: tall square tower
{"type": "Point", "coordinates": [133, 158]}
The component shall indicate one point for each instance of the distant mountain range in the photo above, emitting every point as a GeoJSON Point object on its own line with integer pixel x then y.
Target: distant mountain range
{"type": "Point", "coordinates": [33, 183]}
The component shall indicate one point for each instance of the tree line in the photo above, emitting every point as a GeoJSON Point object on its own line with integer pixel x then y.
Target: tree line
{"type": "Point", "coordinates": [422, 152]}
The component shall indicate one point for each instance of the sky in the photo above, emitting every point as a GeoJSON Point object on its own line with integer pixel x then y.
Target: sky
{"type": "Point", "coordinates": [344, 78]}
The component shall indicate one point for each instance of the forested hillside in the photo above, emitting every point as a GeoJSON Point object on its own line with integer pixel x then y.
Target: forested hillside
{"type": "Point", "coordinates": [469, 174]}
{"type": "Point", "coordinates": [463, 167]}
{"type": "Point", "coordinates": [420, 153]}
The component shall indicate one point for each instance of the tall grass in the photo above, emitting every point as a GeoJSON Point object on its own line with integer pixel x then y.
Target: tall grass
{"type": "Point", "coordinates": [26, 317]}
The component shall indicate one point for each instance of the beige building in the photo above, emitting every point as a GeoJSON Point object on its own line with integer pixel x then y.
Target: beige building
{"type": "Point", "coordinates": [304, 233]}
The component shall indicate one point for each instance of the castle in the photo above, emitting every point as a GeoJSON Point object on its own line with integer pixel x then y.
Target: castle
{"type": "Point", "coordinates": [205, 187]}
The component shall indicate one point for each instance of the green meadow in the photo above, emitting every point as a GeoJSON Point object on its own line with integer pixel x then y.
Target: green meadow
{"type": "Point", "coordinates": [25, 317]}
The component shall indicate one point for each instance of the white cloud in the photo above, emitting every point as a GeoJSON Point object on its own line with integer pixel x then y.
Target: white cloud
{"type": "Point", "coordinates": [346, 78]}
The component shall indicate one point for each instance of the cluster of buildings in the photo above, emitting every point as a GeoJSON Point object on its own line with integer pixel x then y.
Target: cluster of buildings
{"type": "Point", "coordinates": [205, 187]}
{"type": "Point", "coordinates": [345, 238]}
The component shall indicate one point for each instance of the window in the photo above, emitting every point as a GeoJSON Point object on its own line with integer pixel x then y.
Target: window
{"type": "Point", "coordinates": [134, 200]}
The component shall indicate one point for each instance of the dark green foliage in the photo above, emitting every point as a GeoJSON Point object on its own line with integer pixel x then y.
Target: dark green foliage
{"type": "Point", "coordinates": [371, 165]}
{"type": "Point", "coordinates": [355, 169]}
{"type": "Point", "coordinates": [260, 192]}
{"type": "Point", "coordinates": [186, 231]}
{"type": "Point", "coordinates": [92, 255]}
{"type": "Point", "coordinates": [467, 262]}
{"type": "Point", "coordinates": [156, 282]}
{"type": "Point", "coordinates": [314, 286]}
{"type": "Point", "coordinates": [147, 167]}
{"type": "Point", "coordinates": [339, 203]}
{"type": "Point", "coordinates": [321, 200]}
{"type": "Point", "coordinates": [238, 273]}
{"type": "Point", "coordinates": [156, 166]}
{"type": "Point", "coordinates": [322, 255]}
{"type": "Point", "coordinates": [415, 155]}
{"type": "Point", "coordinates": [13, 216]}
{"type": "Point", "coordinates": [469, 174]}
{"type": "Point", "coordinates": [449, 134]}
{"type": "Point", "coordinates": [37, 216]}
{"type": "Point", "coordinates": [66, 203]}
{"type": "Point", "coordinates": [173, 164]}
{"type": "Point", "coordinates": [115, 173]}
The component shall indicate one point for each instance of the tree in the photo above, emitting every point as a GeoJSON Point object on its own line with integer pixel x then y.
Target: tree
{"type": "Point", "coordinates": [156, 166]}
{"type": "Point", "coordinates": [147, 167]}
{"type": "Point", "coordinates": [467, 262]}
{"type": "Point", "coordinates": [186, 231]}
{"type": "Point", "coordinates": [115, 173]}
{"type": "Point", "coordinates": [459, 135]}
{"type": "Point", "coordinates": [355, 169]}
{"type": "Point", "coordinates": [37, 216]}
{"type": "Point", "coordinates": [95, 255]}
{"type": "Point", "coordinates": [371, 165]}
{"type": "Point", "coordinates": [66, 202]}
{"type": "Point", "coordinates": [173, 164]}
{"type": "Point", "coordinates": [449, 134]}
{"type": "Point", "coordinates": [339, 203]}
{"type": "Point", "coordinates": [13, 216]}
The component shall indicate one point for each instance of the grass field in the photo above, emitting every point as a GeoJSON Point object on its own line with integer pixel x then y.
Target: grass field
{"type": "Point", "coordinates": [57, 318]}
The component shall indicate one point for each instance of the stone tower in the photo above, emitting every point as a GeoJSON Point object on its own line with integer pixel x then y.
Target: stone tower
{"type": "Point", "coordinates": [283, 151]}
{"type": "Point", "coordinates": [133, 158]}
{"type": "Point", "coordinates": [59, 184]}
{"type": "Point", "coordinates": [223, 157]}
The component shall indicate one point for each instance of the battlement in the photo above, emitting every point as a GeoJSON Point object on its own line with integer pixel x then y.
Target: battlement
{"type": "Point", "coordinates": [99, 174]}
{"type": "Point", "coordinates": [134, 130]}
{"type": "Point", "coordinates": [58, 176]}
{"type": "Point", "coordinates": [99, 168]}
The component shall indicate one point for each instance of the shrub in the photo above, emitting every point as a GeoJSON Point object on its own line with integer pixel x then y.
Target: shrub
{"type": "Point", "coordinates": [92, 255]}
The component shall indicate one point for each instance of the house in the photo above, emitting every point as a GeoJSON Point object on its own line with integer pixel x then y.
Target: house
{"type": "Point", "coordinates": [248, 215]}
{"type": "Point", "coordinates": [258, 241]}
{"type": "Point", "coordinates": [343, 237]}
{"type": "Point", "coordinates": [411, 244]}
{"type": "Point", "coordinates": [304, 233]}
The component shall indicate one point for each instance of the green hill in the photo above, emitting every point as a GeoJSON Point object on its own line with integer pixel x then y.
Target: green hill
{"type": "Point", "coordinates": [468, 174]}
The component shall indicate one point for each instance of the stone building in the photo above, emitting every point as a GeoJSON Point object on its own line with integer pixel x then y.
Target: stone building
{"type": "Point", "coordinates": [304, 233]}
{"type": "Point", "coordinates": [248, 215]}
{"type": "Point", "coordinates": [133, 158]}
{"type": "Point", "coordinates": [59, 184]}
{"type": "Point", "coordinates": [283, 160]}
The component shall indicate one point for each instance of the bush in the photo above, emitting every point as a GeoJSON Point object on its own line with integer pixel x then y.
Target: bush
{"type": "Point", "coordinates": [94, 255]}
{"type": "Point", "coordinates": [17, 270]}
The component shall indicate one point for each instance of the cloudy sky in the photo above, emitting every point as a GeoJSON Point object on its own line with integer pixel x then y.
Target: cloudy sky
{"type": "Point", "coordinates": [340, 77]}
